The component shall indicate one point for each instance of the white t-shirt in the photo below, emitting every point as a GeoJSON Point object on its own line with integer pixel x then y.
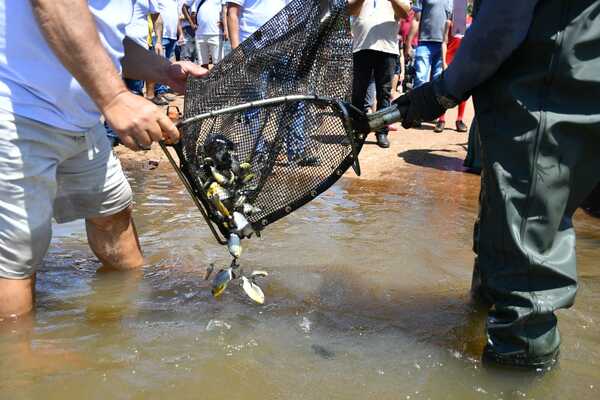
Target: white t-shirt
{"type": "Point", "coordinates": [33, 82]}
{"type": "Point", "coordinates": [255, 13]}
{"type": "Point", "coordinates": [208, 17]}
{"type": "Point", "coordinates": [170, 16]}
{"type": "Point", "coordinates": [376, 28]}
{"type": "Point", "coordinates": [137, 30]}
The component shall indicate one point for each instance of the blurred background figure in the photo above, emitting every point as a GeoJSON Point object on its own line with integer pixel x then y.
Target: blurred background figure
{"type": "Point", "coordinates": [461, 21]}
{"type": "Point", "coordinates": [432, 20]}
{"type": "Point", "coordinates": [187, 21]}
{"type": "Point", "coordinates": [375, 33]}
{"type": "Point", "coordinates": [166, 40]}
{"type": "Point", "coordinates": [209, 32]}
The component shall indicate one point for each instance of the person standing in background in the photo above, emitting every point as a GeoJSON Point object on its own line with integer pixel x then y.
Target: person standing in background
{"type": "Point", "coordinates": [400, 72]}
{"type": "Point", "coordinates": [225, 42]}
{"type": "Point", "coordinates": [208, 32]}
{"type": "Point", "coordinates": [188, 28]}
{"type": "Point", "coordinates": [375, 33]}
{"type": "Point", "coordinates": [460, 23]}
{"type": "Point", "coordinates": [165, 44]}
{"type": "Point", "coordinates": [137, 31]}
{"type": "Point", "coordinates": [432, 21]}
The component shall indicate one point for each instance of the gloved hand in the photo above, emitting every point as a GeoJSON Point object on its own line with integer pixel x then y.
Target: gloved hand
{"type": "Point", "coordinates": [422, 104]}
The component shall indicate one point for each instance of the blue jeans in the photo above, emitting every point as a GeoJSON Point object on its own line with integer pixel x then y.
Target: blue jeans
{"type": "Point", "coordinates": [168, 49]}
{"type": "Point", "coordinates": [428, 62]}
{"type": "Point", "coordinates": [135, 86]}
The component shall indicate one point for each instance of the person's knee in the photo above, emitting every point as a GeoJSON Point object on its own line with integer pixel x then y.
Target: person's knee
{"type": "Point", "coordinates": [112, 223]}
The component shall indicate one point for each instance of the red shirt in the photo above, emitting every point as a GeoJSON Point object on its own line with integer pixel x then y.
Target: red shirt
{"type": "Point", "coordinates": [405, 25]}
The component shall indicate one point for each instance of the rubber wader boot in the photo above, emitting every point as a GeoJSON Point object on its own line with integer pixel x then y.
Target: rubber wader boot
{"type": "Point", "coordinates": [539, 121]}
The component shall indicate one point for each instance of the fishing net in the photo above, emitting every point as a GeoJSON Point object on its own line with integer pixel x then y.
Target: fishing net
{"type": "Point", "coordinates": [292, 142]}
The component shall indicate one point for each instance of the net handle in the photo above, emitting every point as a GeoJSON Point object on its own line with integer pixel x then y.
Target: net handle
{"type": "Point", "coordinates": [387, 116]}
{"type": "Point", "coordinates": [257, 103]}
{"type": "Point", "coordinates": [376, 120]}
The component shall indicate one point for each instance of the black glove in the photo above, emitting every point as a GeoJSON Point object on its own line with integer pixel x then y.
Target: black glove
{"type": "Point", "coordinates": [422, 104]}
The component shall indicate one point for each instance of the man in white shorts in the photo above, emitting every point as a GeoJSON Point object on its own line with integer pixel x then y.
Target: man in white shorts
{"type": "Point", "coordinates": [208, 33]}
{"type": "Point", "coordinates": [55, 160]}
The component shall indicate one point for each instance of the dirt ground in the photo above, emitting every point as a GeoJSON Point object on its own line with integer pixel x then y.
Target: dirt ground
{"type": "Point", "coordinates": [409, 148]}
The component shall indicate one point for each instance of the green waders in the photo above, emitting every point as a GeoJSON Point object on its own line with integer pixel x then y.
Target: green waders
{"type": "Point", "coordinates": [539, 120]}
{"type": "Point", "coordinates": [473, 158]}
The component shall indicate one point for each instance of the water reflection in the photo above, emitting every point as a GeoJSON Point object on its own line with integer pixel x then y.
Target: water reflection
{"type": "Point", "coordinates": [367, 298]}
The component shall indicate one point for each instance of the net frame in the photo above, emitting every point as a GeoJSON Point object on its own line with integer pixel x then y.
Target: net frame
{"type": "Point", "coordinates": [324, 22]}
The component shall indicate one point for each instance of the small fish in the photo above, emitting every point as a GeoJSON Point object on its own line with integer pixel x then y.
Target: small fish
{"type": "Point", "coordinates": [209, 271]}
{"type": "Point", "coordinates": [258, 274]}
{"type": "Point", "coordinates": [323, 352]}
{"type": "Point", "coordinates": [248, 178]}
{"type": "Point", "coordinates": [221, 281]}
{"type": "Point", "coordinates": [253, 291]}
{"type": "Point", "coordinates": [220, 178]}
{"type": "Point", "coordinates": [234, 246]}
{"type": "Point", "coordinates": [243, 227]}
{"type": "Point", "coordinates": [216, 193]}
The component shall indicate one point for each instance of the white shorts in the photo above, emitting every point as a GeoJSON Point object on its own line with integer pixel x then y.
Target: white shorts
{"type": "Point", "coordinates": [47, 172]}
{"type": "Point", "coordinates": [207, 47]}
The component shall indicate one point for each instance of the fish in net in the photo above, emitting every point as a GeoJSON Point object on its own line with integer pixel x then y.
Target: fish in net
{"type": "Point", "coordinates": [270, 127]}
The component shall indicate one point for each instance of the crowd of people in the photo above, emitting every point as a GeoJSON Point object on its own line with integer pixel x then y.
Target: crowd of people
{"type": "Point", "coordinates": [535, 93]}
{"type": "Point", "coordinates": [200, 31]}
{"type": "Point", "coordinates": [389, 37]}
{"type": "Point", "coordinates": [396, 50]}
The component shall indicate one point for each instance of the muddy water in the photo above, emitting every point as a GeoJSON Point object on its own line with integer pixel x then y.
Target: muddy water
{"type": "Point", "coordinates": [366, 300]}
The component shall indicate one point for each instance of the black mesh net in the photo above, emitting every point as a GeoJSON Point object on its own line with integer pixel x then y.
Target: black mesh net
{"type": "Point", "coordinates": [285, 153]}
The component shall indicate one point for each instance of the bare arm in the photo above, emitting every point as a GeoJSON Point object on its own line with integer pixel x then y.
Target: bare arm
{"type": "Point", "coordinates": [354, 7]}
{"type": "Point", "coordinates": [402, 66]}
{"type": "Point", "coordinates": [401, 8]}
{"type": "Point", "coordinates": [445, 42]}
{"type": "Point", "coordinates": [139, 63]}
{"type": "Point", "coordinates": [186, 14]}
{"type": "Point", "coordinates": [414, 28]}
{"type": "Point", "coordinates": [224, 22]}
{"type": "Point", "coordinates": [158, 31]}
{"type": "Point", "coordinates": [180, 36]}
{"type": "Point", "coordinates": [233, 24]}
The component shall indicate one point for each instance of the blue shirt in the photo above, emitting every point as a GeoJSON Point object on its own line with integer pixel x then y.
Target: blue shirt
{"type": "Point", "coordinates": [434, 14]}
